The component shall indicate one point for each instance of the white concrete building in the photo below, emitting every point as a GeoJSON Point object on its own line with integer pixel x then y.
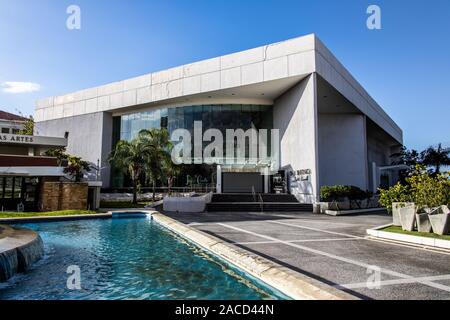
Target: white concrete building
{"type": "Point", "coordinates": [331, 130]}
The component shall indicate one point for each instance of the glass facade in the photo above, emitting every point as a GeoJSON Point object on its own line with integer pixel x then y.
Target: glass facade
{"type": "Point", "coordinates": [220, 117]}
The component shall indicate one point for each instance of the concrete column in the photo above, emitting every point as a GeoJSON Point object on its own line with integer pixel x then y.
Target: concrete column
{"type": "Point", "coordinates": [375, 177]}
{"type": "Point", "coordinates": [219, 179]}
{"type": "Point", "coordinates": [266, 180]}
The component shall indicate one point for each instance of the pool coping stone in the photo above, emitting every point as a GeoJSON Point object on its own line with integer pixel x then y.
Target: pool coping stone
{"type": "Point", "coordinates": [291, 283]}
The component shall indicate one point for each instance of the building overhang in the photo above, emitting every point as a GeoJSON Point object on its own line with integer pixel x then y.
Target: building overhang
{"type": "Point", "coordinates": [32, 171]}
{"type": "Point", "coordinates": [262, 73]}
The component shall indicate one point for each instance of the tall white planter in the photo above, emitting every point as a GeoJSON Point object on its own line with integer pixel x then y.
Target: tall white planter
{"type": "Point", "coordinates": [423, 222]}
{"type": "Point", "coordinates": [440, 220]}
{"type": "Point", "coordinates": [396, 206]}
{"type": "Point", "coordinates": [408, 217]}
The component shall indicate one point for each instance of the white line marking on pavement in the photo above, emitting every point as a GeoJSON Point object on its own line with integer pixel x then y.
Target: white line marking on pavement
{"type": "Point", "coordinates": [394, 282]}
{"type": "Point", "coordinates": [297, 241]}
{"type": "Point", "coordinates": [193, 224]}
{"type": "Point", "coordinates": [332, 256]}
{"type": "Point", "coordinates": [313, 229]}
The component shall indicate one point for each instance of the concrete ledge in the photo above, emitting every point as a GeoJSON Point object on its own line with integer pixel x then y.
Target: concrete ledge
{"type": "Point", "coordinates": [356, 211]}
{"type": "Point", "coordinates": [409, 239]}
{"type": "Point", "coordinates": [19, 249]}
{"type": "Point", "coordinates": [56, 218]}
{"type": "Point", "coordinates": [289, 282]}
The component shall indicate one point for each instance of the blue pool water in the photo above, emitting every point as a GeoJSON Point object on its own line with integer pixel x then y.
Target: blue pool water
{"type": "Point", "coordinates": [128, 258]}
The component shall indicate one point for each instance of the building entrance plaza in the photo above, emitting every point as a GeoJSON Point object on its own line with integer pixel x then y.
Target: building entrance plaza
{"type": "Point", "coordinates": [333, 250]}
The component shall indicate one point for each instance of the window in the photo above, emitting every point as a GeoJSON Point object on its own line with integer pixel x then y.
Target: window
{"type": "Point", "coordinates": [17, 194]}
{"type": "Point", "coordinates": [9, 185]}
{"type": "Point", "coordinates": [15, 131]}
{"type": "Point", "coordinates": [5, 130]}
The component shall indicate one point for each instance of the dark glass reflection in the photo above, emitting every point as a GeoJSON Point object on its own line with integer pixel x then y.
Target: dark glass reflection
{"type": "Point", "coordinates": [220, 117]}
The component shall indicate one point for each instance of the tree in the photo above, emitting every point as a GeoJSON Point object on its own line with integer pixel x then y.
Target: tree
{"type": "Point", "coordinates": [159, 146]}
{"type": "Point", "coordinates": [436, 157]}
{"type": "Point", "coordinates": [170, 171]}
{"type": "Point", "coordinates": [28, 128]}
{"type": "Point", "coordinates": [131, 157]}
{"type": "Point", "coordinates": [407, 157]}
{"type": "Point", "coordinates": [75, 167]}
{"type": "Point", "coordinates": [59, 153]}
{"type": "Point", "coordinates": [410, 158]}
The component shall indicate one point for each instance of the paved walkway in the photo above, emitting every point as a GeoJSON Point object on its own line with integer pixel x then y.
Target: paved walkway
{"type": "Point", "coordinates": [335, 251]}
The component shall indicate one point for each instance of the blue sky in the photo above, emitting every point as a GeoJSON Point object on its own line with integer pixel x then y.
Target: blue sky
{"type": "Point", "coordinates": [404, 66]}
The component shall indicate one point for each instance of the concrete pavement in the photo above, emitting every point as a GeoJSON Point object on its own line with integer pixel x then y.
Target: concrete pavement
{"type": "Point", "coordinates": [335, 251]}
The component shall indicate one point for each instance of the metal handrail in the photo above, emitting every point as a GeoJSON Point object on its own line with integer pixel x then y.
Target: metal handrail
{"type": "Point", "coordinates": [262, 202]}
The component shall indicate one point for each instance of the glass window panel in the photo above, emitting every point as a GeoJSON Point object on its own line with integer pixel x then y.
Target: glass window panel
{"type": "Point", "coordinates": [2, 181]}
{"type": "Point", "coordinates": [8, 188]}
{"type": "Point", "coordinates": [17, 188]}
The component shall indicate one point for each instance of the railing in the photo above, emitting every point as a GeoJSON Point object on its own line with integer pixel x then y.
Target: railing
{"type": "Point", "coordinates": [202, 189]}
{"type": "Point", "coordinates": [261, 202]}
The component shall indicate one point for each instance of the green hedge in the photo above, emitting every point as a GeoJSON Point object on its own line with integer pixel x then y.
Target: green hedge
{"type": "Point", "coordinates": [424, 189]}
{"type": "Point", "coordinates": [342, 193]}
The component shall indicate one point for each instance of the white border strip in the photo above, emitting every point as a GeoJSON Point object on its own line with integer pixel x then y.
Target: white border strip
{"type": "Point", "coordinates": [418, 240]}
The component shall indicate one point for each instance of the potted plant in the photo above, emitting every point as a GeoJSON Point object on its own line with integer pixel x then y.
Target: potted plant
{"type": "Point", "coordinates": [431, 191]}
{"type": "Point", "coordinates": [334, 198]}
{"type": "Point", "coordinates": [394, 199]}
{"type": "Point", "coordinates": [440, 220]}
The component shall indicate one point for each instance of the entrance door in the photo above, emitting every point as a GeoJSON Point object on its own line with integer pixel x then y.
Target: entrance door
{"type": "Point", "coordinates": [239, 182]}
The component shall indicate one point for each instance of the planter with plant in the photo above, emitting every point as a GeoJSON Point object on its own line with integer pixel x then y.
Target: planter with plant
{"type": "Point", "coordinates": [430, 192]}
{"type": "Point", "coordinates": [427, 191]}
{"type": "Point", "coordinates": [394, 199]}
{"type": "Point", "coordinates": [342, 197]}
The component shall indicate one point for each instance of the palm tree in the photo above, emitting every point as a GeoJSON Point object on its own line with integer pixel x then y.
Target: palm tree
{"type": "Point", "coordinates": [131, 157]}
{"type": "Point", "coordinates": [407, 157]}
{"type": "Point", "coordinates": [436, 157]}
{"type": "Point", "coordinates": [170, 171]}
{"type": "Point", "coordinates": [158, 142]}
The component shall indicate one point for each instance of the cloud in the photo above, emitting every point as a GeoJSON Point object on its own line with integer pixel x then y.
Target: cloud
{"type": "Point", "coordinates": [19, 87]}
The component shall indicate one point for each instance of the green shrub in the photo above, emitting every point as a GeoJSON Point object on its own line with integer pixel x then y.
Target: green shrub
{"type": "Point", "coordinates": [429, 191]}
{"type": "Point", "coordinates": [397, 193]}
{"type": "Point", "coordinates": [341, 193]}
{"type": "Point", "coordinates": [424, 189]}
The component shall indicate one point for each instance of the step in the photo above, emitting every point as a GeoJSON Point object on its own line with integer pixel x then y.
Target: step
{"type": "Point", "coordinates": [258, 207]}
{"type": "Point", "coordinates": [231, 197]}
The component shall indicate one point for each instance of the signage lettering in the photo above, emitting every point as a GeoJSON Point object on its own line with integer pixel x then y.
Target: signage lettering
{"type": "Point", "coordinates": [16, 138]}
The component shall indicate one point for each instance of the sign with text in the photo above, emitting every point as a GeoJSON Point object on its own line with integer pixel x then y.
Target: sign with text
{"type": "Point", "coordinates": [32, 140]}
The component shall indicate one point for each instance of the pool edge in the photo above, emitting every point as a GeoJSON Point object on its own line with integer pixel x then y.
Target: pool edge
{"type": "Point", "coordinates": [289, 282]}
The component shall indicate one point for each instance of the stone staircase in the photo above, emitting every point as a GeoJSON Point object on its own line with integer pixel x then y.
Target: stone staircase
{"type": "Point", "coordinates": [256, 203]}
